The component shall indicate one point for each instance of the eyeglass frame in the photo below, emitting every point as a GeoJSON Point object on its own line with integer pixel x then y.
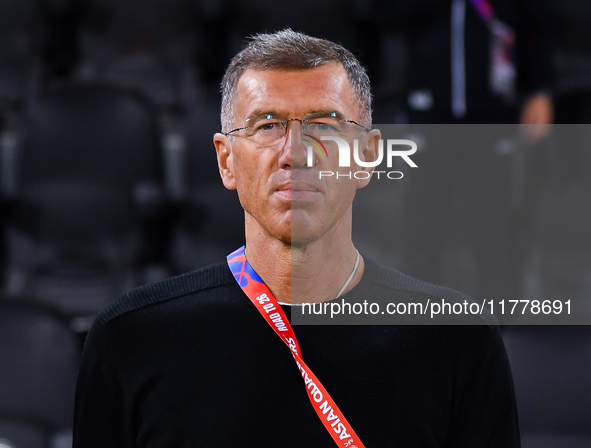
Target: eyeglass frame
{"type": "Point", "coordinates": [302, 121]}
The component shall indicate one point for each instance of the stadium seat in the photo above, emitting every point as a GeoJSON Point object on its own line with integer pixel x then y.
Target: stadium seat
{"type": "Point", "coordinates": [210, 221]}
{"type": "Point", "coordinates": [88, 177]}
{"type": "Point", "coordinates": [150, 46]}
{"type": "Point", "coordinates": [40, 358]}
{"type": "Point", "coordinates": [21, 34]}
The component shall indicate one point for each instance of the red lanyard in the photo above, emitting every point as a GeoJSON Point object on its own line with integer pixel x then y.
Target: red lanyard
{"type": "Point", "coordinates": [255, 289]}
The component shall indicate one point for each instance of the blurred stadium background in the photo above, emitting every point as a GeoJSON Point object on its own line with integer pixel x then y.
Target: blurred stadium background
{"type": "Point", "coordinates": [108, 176]}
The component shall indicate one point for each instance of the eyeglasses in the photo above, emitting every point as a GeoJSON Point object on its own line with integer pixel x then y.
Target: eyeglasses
{"type": "Point", "coordinates": [268, 129]}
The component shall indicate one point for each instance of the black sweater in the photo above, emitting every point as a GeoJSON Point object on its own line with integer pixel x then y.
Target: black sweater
{"type": "Point", "coordinates": [189, 362]}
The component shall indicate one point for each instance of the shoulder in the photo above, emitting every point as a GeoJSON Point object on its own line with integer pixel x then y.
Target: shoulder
{"type": "Point", "coordinates": [391, 278]}
{"type": "Point", "coordinates": [195, 282]}
{"type": "Point", "coordinates": [395, 281]}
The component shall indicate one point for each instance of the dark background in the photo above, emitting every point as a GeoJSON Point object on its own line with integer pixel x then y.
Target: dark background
{"type": "Point", "coordinates": [109, 180]}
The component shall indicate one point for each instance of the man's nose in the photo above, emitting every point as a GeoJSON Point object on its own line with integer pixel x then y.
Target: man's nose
{"type": "Point", "coordinates": [294, 151]}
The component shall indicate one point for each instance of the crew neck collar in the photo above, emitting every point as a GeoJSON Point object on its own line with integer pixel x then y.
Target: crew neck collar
{"type": "Point", "coordinates": [370, 273]}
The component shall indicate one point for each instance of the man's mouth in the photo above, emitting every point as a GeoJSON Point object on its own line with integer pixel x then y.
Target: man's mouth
{"type": "Point", "coordinates": [297, 191]}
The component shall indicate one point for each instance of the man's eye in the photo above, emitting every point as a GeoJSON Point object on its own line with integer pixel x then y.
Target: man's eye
{"type": "Point", "coordinates": [268, 126]}
{"type": "Point", "coordinates": [322, 126]}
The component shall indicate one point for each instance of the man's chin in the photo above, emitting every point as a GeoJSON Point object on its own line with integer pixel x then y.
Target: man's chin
{"type": "Point", "coordinates": [295, 227]}
{"type": "Point", "coordinates": [295, 236]}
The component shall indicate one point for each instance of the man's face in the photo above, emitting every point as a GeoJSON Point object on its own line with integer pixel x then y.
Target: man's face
{"type": "Point", "coordinates": [278, 191]}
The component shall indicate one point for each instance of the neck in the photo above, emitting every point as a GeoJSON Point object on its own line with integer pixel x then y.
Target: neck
{"type": "Point", "coordinates": [310, 272]}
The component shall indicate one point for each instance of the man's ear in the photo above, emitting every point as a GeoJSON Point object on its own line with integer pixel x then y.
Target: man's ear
{"type": "Point", "coordinates": [223, 148]}
{"type": "Point", "coordinates": [369, 152]}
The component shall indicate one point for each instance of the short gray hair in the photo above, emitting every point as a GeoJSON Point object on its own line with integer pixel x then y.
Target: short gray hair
{"type": "Point", "coordinates": [290, 50]}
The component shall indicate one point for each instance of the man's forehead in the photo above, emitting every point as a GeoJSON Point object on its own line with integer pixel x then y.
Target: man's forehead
{"type": "Point", "coordinates": [295, 92]}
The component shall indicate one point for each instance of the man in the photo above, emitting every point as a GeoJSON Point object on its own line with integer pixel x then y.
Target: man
{"type": "Point", "coordinates": [191, 361]}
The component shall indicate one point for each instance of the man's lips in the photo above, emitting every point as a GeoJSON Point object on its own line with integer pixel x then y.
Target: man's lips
{"type": "Point", "coordinates": [292, 186]}
{"type": "Point", "coordinates": [296, 191]}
